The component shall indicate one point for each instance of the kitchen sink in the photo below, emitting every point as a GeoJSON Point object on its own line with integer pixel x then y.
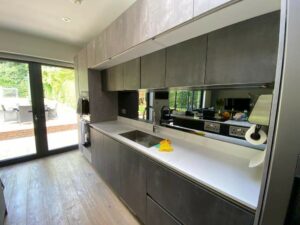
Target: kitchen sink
{"type": "Point", "coordinates": [142, 138]}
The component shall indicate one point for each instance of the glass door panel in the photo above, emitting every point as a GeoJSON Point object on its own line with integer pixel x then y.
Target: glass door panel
{"type": "Point", "coordinates": [60, 106]}
{"type": "Point", "coordinates": [16, 120]}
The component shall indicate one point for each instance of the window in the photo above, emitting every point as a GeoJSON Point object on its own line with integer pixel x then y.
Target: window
{"type": "Point", "coordinates": [185, 100]}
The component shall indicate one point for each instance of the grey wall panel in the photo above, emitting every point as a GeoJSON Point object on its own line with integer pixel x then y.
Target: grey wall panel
{"type": "Point", "coordinates": [103, 104]}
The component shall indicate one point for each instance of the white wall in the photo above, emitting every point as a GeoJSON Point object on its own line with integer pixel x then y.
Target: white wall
{"type": "Point", "coordinates": [33, 46]}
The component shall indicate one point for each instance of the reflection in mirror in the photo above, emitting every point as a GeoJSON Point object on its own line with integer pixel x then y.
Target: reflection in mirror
{"type": "Point", "coordinates": [216, 113]}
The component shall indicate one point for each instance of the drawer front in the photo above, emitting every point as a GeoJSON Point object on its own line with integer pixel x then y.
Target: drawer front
{"type": "Point", "coordinates": [156, 215]}
{"type": "Point", "coordinates": [190, 203]}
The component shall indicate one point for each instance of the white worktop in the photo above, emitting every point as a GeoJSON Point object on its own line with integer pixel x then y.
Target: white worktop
{"type": "Point", "coordinates": [221, 166]}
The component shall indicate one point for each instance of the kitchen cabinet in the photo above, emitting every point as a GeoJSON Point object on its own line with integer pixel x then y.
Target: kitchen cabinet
{"type": "Point", "coordinates": [131, 25]}
{"type": "Point", "coordinates": [111, 158]}
{"type": "Point", "coordinates": [114, 80]}
{"type": "Point", "coordinates": [158, 16]}
{"type": "Point", "coordinates": [190, 203]}
{"type": "Point", "coordinates": [81, 72]}
{"type": "Point", "coordinates": [105, 158]}
{"type": "Point", "coordinates": [115, 40]}
{"type": "Point", "coordinates": [203, 6]}
{"type": "Point", "coordinates": [2, 205]}
{"type": "Point", "coordinates": [185, 63]}
{"type": "Point", "coordinates": [132, 74]}
{"type": "Point", "coordinates": [101, 48]}
{"type": "Point", "coordinates": [91, 53]}
{"type": "Point", "coordinates": [244, 53]}
{"type": "Point", "coordinates": [133, 181]}
{"type": "Point", "coordinates": [96, 150]}
{"type": "Point", "coordinates": [153, 70]}
{"type": "Point", "coordinates": [156, 215]}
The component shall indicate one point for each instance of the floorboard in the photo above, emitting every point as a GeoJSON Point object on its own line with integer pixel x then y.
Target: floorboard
{"type": "Point", "coordinates": [60, 190]}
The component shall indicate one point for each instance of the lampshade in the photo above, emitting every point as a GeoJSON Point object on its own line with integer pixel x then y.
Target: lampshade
{"type": "Point", "coordinates": [261, 112]}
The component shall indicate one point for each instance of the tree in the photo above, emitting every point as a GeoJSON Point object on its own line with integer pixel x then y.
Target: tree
{"type": "Point", "coordinates": [15, 75]}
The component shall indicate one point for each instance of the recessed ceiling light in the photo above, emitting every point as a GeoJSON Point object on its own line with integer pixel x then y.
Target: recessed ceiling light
{"type": "Point", "coordinates": [66, 19]}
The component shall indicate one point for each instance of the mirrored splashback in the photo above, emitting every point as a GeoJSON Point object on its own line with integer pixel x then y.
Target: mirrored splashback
{"type": "Point", "coordinates": [216, 113]}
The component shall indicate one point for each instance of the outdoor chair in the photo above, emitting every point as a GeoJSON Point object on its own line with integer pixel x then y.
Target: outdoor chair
{"type": "Point", "coordinates": [9, 114]}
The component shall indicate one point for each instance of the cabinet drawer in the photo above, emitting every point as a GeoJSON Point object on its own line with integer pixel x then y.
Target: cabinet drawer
{"type": "Point", "coordinates": [190, 203]}
{"type": "Point", "coordinates": [156, 215]}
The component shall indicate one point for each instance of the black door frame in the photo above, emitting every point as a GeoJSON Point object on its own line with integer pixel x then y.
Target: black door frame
{"type": "Point", "coordinates": [39, 119]}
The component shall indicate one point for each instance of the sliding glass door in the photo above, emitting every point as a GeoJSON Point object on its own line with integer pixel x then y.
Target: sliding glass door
{"type": "Point", "coordinates": [17, 137]}
{"type": "Point", "coordinates": [37, 110]}
{"type": "Point", "coordinates": [60, 106]}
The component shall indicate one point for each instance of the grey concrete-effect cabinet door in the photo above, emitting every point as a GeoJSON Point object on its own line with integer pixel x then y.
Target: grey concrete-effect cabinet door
{"type": "Point", "coordinates": [156, 215]}
{"type": "Point", "coordinates": [96, 149]}
{"type": "Point", "coordinates": [185, 63]}
{"type": "Point", "coordinates": [82, 67]}
{"type": "Point", "coordinates": [114, 78]}
{"type": "Point", "coordinates": [115, 37]}
{"type": "Point", "coordinates": [153, 70]}
{"type": "Point", "coordinates": [111, 161]}
{"type": "Point", "coordinates": [244, 53]}
{"type": "Point", "coordinates": [101, 48]}
{"type": "Point", "coordinates": [106, 158]}
{"type": "Point", "coordinates": [158, 16]}
{"type": "Point", "coordinates": [203, 6]}
{"type": "Point", "coordinates": [91, 53]}
{"type": "Point", "coordinates": [133, 181]}
{"type": "Point", "coordinates": [131, 26]}
{"type": "Point", "coordinates": [190, 203]}
{"type": "Point", "coordinates": [132, 74]}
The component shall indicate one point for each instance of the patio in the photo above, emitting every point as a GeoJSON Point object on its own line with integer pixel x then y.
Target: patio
{"type": "Point", "coordinates": [17, 138]}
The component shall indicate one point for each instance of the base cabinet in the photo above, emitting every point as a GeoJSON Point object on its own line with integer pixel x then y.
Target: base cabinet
{"type": "Point", "coordinates": [133, 181]}
{"type": "Point", "coordinates": [156, 194]}
{"type": "Point", "coordinates": [156, 215]}
{"type": "Point", "coordinates": [106, 158]}
{"type": "Point", "coordinates": [189, 203]}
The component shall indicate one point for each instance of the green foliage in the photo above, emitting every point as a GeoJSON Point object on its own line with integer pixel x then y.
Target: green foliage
{"type": "Point", "coordinates": [59, 84]}
{"type": "Point", "coordinates": [183, 100]}
{"type": "Point", "coordinates": [14, 75]}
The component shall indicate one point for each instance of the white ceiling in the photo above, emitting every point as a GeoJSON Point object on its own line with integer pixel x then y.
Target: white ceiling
{"type": "Point", "coordinates": [44, 18]}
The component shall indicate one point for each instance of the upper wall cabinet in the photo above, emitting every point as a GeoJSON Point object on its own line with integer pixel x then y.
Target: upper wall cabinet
{"type": "Point", "coordinates": [91, 53]}
{"type": "Point", "coordinates": [101, 48]}
{"type": "Point", "coordinates": [153, 70]}
{"type": "Point", "coordinates": [81, 67]}
{"type": "Point", "coordinates": [114, 78]}
{"type": "Point", "coordinates": [115, 37]}
{"type": "Point", "coordinates": [186, 63]}
{"type": "Point", "coordinates": [159, 16]}
{"type": "Point", "coordinates": [132, 20]}
{"type": "Point", "coordinates": [125, 76]}
{"type": "Point", "coordinates": [244, 53]}
{"type": "Point", "coordinates": [132, 74]}
{"type": "Point", "coordinates": [203, 6]}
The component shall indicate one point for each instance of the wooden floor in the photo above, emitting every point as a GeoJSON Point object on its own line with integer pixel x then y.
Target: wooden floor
{"type": "Point", "coordinates": [61, 189]}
